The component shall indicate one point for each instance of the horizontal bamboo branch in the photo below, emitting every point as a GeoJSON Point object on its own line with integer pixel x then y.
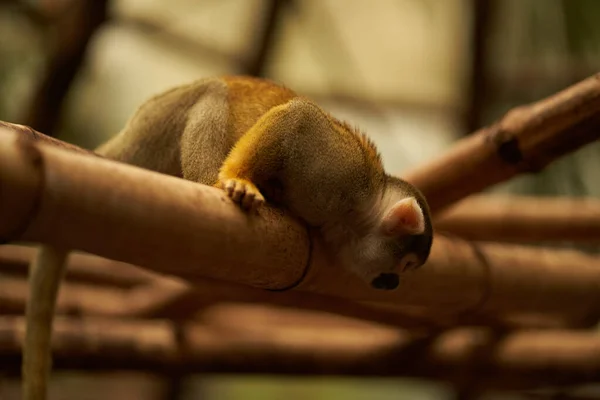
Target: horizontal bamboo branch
{"type": "Point", "coordinates": [481, 279]}
{"type": "Point", "coordinates": [178, 301]}
{"type": "Point", "coordinates": [28, 133]}
{"type": "Point", "coordinates": [525, 359]}
{"type": "Point", "coordinates": [85, 268]}
{"type": "Point", "coordinates": [526, 139]}
{"type": "Point", "coordinates": [43, 204]}
{"type": "Point", "coordinates": [174, 299]}
{"type": "Point", "coordinates": [158, 296]}
{"type": "Point", "coordinates": [151, 296]}
{"type": "Point", "coordinates": [74, 298]}
{"type": "Point", "coordinates": [194, 232]}
{"type": "Point", "coordinates": [522, 219]}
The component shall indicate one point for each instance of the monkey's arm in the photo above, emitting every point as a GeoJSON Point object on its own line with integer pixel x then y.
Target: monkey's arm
{"type": "Point", "coordinates": [297, 154]}
{"type": "Point", "coordinates": [256, 158]}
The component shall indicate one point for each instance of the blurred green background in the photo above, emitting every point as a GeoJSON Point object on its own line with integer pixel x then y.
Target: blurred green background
{"type": "Point", "coordinates": [415, 74]}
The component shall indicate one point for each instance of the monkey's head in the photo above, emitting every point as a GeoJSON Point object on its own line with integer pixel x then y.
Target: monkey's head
{"type": "Point", "coordinates": [397, 239]}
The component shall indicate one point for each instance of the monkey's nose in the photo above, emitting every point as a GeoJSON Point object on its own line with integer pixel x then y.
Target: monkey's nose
{"type": "Point", "coordinates": [386, 281]}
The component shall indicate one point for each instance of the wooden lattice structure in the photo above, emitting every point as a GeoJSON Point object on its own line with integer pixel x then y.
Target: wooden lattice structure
{"type": "Point", "coordinates": [220, 291]}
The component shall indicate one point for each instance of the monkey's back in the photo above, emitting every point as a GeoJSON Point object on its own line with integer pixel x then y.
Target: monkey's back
{"type": "Point", "coordinates": [188, 131]}
{"type": "Point", "coordinates": [250, 98]}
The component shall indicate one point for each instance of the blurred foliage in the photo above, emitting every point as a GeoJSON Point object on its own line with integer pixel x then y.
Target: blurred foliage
{"type": "Point", "coordinates": [316, 388]}
{"type": "Point", "coordinates": [22, 58]}
{"type": "Point", "coordinates": [581, 26]}
{"type": "Point", "coordinates": [557, 43]}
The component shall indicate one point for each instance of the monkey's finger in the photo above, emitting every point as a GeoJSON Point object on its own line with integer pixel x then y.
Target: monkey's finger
{"type": "Point", "coordinates": [229, 187]}
{"type": "Point", "coordinates": [237, 194]}
{"type": "Point", "coordinates": [219, 185]}
{"type": "Point", "coordinates": [258, 202]}
{"type": "Point", "coordinates": [248, 199]}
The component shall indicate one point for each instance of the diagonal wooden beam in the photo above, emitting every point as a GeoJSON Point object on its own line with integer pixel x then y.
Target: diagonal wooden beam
{"type": "Point", "coordinates": [72, 32]}
{"type": "Point", "coordinates": [525, 140]}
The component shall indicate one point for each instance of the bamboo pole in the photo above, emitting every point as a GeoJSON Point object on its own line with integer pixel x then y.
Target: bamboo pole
{"type": "Point", "coordinates": [28, 133]}
{"type": "Point", "coordinates": [44, 182]}
{"type": "Point", "coordinates": [173, 224]}
{"type": "Point", "coordinates": [177, 300]}
{"type": "Point", "coordinates": [523, 359]}
{"type": "Point", "coordinates": [155, 296]}
{"type": "Point", "coordinates": [73, 299]}
{"type": "Point", "coordinates": [15, 259]}
{"type": "Point", "coordinates": [522, 219]}
{"type": "Point", "coordinates": [480, 279]}
{"type": "Point", "coordinates": [526, 139]}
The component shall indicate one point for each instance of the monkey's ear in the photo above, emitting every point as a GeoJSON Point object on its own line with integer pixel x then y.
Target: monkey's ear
{"type": "Point", "coordinates": [405, 217]}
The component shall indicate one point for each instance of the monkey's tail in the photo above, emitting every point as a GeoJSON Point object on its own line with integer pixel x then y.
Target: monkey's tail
{"type": "Point", "coordinates": [45, 276]}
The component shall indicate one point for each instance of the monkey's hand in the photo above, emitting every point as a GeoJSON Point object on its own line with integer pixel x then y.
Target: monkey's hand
{"type": "Point", "coordinates": [243, 192]}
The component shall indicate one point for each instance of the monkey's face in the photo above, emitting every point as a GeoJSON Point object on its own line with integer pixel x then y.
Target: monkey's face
{"type": "Point", "coordinates": [380, 259]}
{"type": "Point", "coordinates": [400, 240]}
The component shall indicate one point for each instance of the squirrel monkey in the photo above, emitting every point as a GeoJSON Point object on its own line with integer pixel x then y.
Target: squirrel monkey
{"type": "Point", "coordinates": [258, 141]}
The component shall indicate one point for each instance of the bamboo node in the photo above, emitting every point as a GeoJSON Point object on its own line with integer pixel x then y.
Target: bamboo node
{"type": "Point", "coordinates": [508, 147]}
{"type": "Point", "coordinates": [34, 158]}
{"type": "Point", "coordinates": [30, 150]}
{"type": "Point", "coordinates": [304, 273]}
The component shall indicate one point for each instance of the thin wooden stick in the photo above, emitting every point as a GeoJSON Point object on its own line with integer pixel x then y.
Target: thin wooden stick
{"type": "Point", "coordinates": [179, 228]}
{"type": "Point", "coordinates": [523, 219]}
{"type": "Point", "coordinates": [526, 139]}
{"type": "Point", "coordinates": [525, 359]}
